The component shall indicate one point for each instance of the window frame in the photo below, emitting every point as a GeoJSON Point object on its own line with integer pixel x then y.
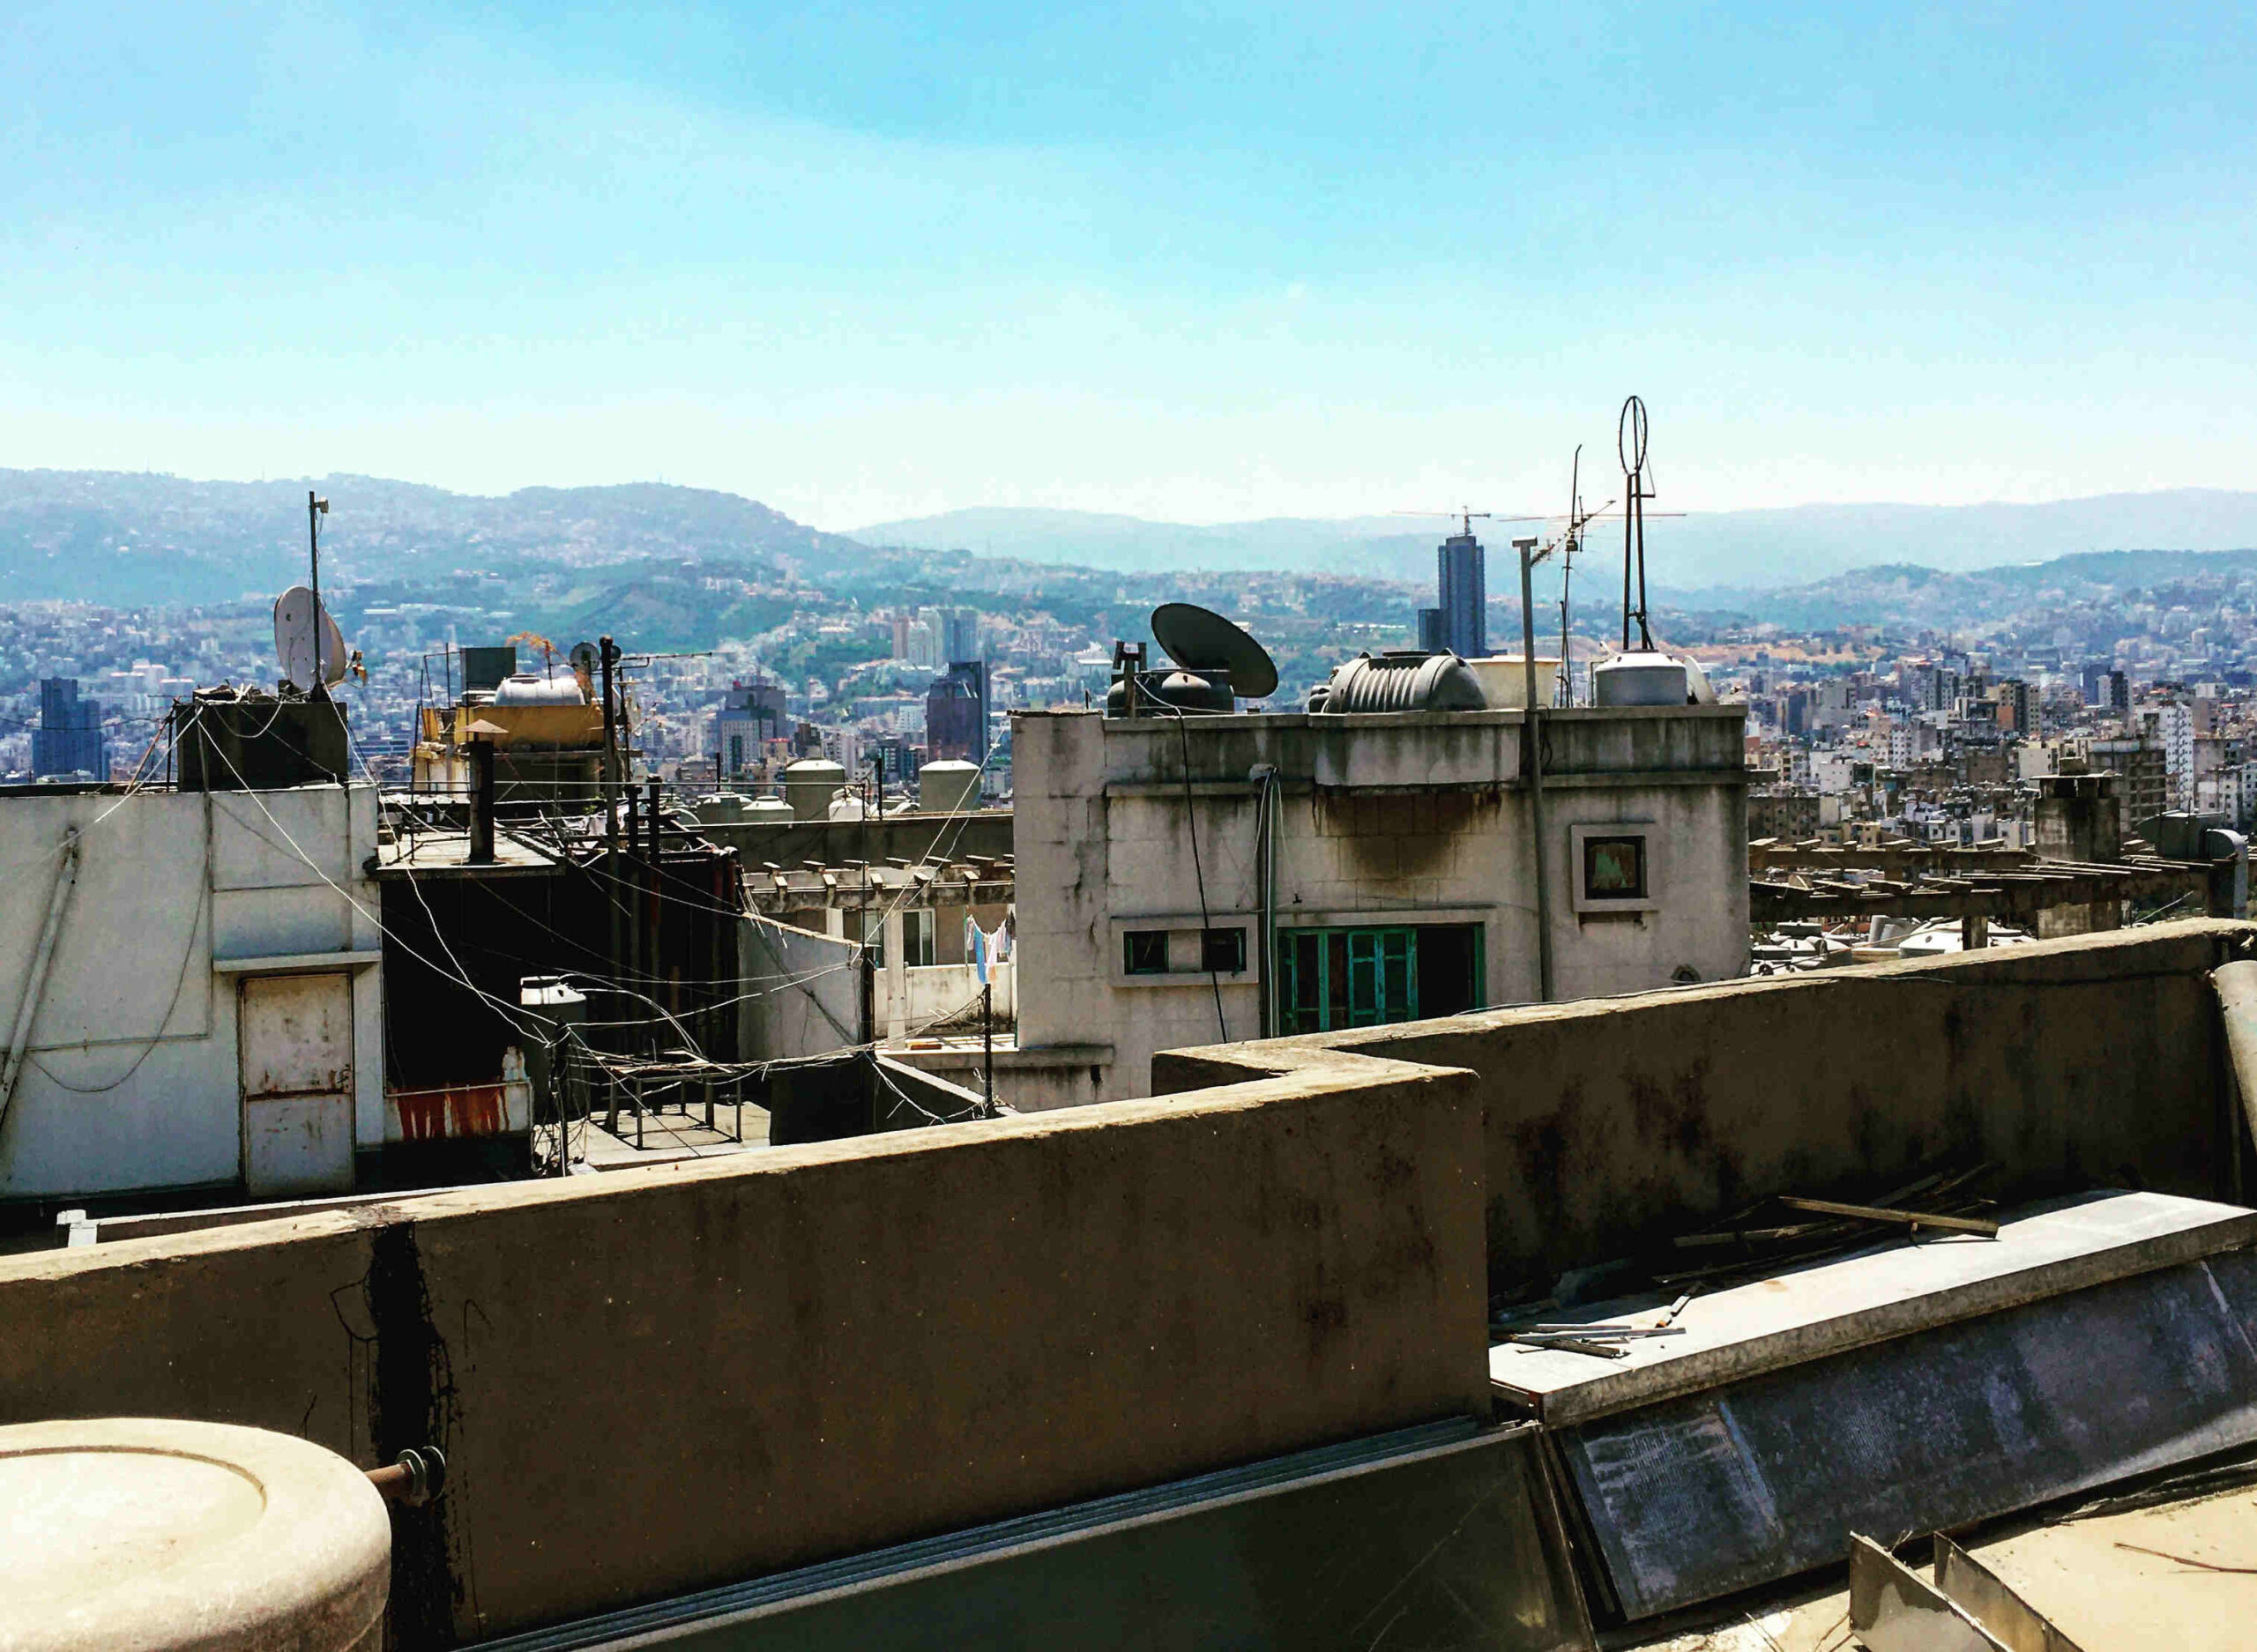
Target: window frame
{"type": "Point", "coordinates": [1583, 837]}
{"type": "Point", "coordinates": [1131, 940]}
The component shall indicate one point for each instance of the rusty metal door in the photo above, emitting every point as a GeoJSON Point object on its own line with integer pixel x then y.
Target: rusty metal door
{"type": "Point", "coordinates": [296, 1038]}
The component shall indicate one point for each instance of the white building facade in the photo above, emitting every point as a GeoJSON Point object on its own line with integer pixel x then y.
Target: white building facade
{"type": "Point", "coordinates": [1197, 881]}
{"type": "Point", "coordinates": [194, 993]}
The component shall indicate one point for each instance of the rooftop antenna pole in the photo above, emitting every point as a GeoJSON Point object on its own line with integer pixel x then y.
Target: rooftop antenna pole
{"type": "Point", "coordinates": [316, 510]}
{"type": "Point", "coordinates": [1568, 549]}
{"type": "Point", "coordinates": [1630, 446]}
{"type": "Point", "coordinates": [1533, 729]}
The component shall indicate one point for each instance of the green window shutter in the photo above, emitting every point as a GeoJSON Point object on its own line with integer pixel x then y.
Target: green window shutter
{"type": "Point", "coordinates": [1366, 1005]}
{"type": "Point", "coordinates": [1398, 975]}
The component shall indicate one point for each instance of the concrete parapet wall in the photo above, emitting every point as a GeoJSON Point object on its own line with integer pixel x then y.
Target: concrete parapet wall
{"type": "Point", "coordinates": [1615, 1123]}
{"type": "Point", "coordinates": [650, 1383]}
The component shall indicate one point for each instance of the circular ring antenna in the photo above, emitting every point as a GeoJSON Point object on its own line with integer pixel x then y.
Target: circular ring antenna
{"type": "Point", "coordinates": [1630, 436]}
{"type": "Point", "coordinates": [583, 658]}
{"type": "Point", "coordinates": [1200, 639]}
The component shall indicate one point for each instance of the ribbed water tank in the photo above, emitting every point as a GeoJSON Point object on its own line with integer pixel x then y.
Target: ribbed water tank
{"type": "Point", "coordinates": [1640, 678]}
{"type": "Point", "coordinates": [154, 1534]}
{"type": "Point", "coordinates": [1406, 681]}
{"type": "Point", "coordinates": [948, 787]}
{"type": "Point", "coordinates": [528, 689]}
{"type": "Point", "coordinates": [809, 784]}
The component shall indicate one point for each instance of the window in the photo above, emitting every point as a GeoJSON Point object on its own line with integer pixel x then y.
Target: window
{"type": "Point", "coordinates": [736, 753]}
{"type": "Point", "coordinates": [1365, 977]}
{"type": "Point", "coordinates": [1147, 951]}
{"type": "Point", "coordinates": [1223, 951]}
{"type": "Point", "coordinates": [1614, 869]}
{"type": "Point", "coordinates": [918, 931]}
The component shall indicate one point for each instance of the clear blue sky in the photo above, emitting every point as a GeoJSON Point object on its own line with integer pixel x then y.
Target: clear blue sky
{"type": "Point", "coordinates": [864, 261]}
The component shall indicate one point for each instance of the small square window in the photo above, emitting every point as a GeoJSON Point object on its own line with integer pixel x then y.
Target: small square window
{"type": "Point", "coordinates": [1147, 951]}
{"type": "Point", "coordinates": [1614, 869]}
{"type": "Point", "coordinates": [1223, 951]}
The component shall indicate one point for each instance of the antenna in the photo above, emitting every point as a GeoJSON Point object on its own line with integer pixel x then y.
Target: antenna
{"type": "Point", "coordinates": [316, 510]}
{"type": "Point", "coordinates": [1637, 487]}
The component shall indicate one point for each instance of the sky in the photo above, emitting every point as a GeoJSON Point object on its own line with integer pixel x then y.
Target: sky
{"type": "Point", "coordinates": [1195, 262]}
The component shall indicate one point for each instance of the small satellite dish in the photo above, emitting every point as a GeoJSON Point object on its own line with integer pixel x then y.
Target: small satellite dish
{"type": "Point", "coordinates": [1200, 640]}
{"type": "Point", "coordinates": [584, 659]}
{"type": "Point", "coordinates": [293, 639]}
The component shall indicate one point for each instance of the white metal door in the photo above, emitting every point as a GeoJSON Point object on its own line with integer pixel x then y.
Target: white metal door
{"type": "Point", "coordinates": [296, 1035]}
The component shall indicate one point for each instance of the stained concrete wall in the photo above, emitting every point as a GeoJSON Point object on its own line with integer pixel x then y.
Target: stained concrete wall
{"type": "Point", "coordinates": [1405, 818]}
{"type": "Point", "coordinates": [646, 1384]}
{"type": "Point", "coordinates": [1615, 1125]}
{"type": "Point", "coordinates": [805, 994]}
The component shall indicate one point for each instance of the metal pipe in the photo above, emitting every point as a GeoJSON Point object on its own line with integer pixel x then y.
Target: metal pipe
{"type": "Point", "coordinates": [1533, 726]}
{"type": "Point", "coordinates": [19, 1034]}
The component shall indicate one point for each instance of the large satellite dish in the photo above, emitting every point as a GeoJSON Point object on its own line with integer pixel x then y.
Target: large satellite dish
{"type": "Point", "coordinates": [1200, 640]}
{"type": "Point", "coordinates": [294, 611]}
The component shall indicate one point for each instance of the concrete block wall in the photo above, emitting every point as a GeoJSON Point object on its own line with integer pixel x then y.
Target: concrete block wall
{"type": "Point", "coordinates": [1615, 1124]}
{"type": "Point", "coordinates": [652, 1382]}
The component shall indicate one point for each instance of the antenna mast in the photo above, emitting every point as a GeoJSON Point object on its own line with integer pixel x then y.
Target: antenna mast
{"type": "Point", "coordinates": [316, 510]}
{"type": "Point", "coordinates": [1637, 479]}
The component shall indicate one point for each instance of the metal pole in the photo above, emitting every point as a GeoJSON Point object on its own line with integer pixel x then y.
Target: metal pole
{"type": "Point", "coordinates": [987, 1044]}
{"type": "Point", "coordinates": [317, 688]}
{"type": "Point", "coordinates": [608, 653]}
{"type": "Point", "coordinates": [1532, 726]}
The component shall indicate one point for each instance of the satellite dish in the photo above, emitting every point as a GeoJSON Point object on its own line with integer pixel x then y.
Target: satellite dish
{"type": "Point", "coordinates": [1200, 640]}
{"type": "Point", "coordinates": [293, 639]}
{"type": "Point", "coordinates": [584, 659]}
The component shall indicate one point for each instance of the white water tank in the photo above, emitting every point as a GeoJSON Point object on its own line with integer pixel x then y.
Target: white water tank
{"type": "Point", "coordinates": [1504, 680]}
{"type": "Point", "coordinates": [809, 784]}
{"type": "Point", "coordinates": [1640, 678]}
{"type": "Point", "coordinates": [530, 688]}
{"type": "Point", "coordinates": [151, 1534]}
{"type": "Point", "coordinates": [948, 787]}
{"type": "Point", "coordinates": [767, 811]}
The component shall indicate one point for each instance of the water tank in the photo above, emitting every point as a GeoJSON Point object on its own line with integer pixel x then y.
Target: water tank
{"type": "Point", "coordinates": [156, 1534]}
{"type": "Point", "coordinates": [722, 809]}
{"type": "Point", "coordinates": [947, 786]}
{"type": "Point", "coordinates": [529, 689]}
{"type": "Point", "coordinates": [1639, 678]}
{"type": "Point", "coordinates": [1504, 680]}
{"type": "Point", "coordinates": [767, 811]}
{"type": "Point", "coordinates": [1404, 681]}
{"type": "Point", "coordinates": [809, 784]}
{"type": "Point", "coordinates": [849, 806]}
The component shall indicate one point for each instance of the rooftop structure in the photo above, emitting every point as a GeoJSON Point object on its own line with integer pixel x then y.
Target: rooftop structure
{"type": "Point", "coordinates": [1191, 879]}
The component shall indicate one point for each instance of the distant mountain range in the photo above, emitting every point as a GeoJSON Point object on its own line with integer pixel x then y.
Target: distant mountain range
{"type": "Point", "coordinates": [124, 538]}
{"type": "Point", "coordinates": [1712, 558]}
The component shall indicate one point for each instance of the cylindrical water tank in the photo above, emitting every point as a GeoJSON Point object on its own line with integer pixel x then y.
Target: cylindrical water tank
{"type": "Point", "coordinates": [151, 1534]}
{"type": "Point", "coordinates": [767, 810]}
{"type": "Point", "coordinates": [948, 787]}
{"type": "Point", "coordinates": [809, 784]}
{"type": "Point", "coordinates": [1406, 680]}
{"type": "Point", "coordinates": [1639, 678]}
{"type": "Point", "coordinates": [849, 807]}
{"type": "Point", "coordinates": [722, 809]}
{"type": "Point", "coordinates": [529, 688]}
{"type": "Point", "coordinates": [1504, 681]}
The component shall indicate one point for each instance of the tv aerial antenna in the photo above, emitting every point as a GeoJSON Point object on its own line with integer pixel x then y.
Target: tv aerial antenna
{"type": "Point", "coordinates": [307, 643]}
{"type": "Point", "coordinates": [1637, 487]}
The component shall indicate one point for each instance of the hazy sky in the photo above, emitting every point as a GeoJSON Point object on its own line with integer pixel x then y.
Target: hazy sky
{"type": "Point", "coordinates": [1205, 262]}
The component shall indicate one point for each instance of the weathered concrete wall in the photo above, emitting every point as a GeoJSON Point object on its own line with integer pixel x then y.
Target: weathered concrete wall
{"type": "Point", "coordinates": [645, 1384]}
{"type": "Point", "coordinates": [134, 1080]}
{"type": "Point", "coordinates": [1613, 1124]}
{"type": "Point", "coordinates": [790, 844]}
{"type": "Point", "coordinates": [1413, 818]}
{"type": "Point", "coordinates": [805, 995]}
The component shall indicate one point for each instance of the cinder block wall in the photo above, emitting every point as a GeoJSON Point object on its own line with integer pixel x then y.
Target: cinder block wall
{"type": "Point", "coordinates": [665, 1380]}
{"type": "Point", "coordinates": [1616, 1123]}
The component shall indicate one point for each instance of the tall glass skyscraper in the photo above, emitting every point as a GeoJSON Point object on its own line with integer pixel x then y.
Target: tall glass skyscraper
{"type": "Point", "coordinates": [1464, 610]}
{"type": "Point", "coordinates": [68, 738]}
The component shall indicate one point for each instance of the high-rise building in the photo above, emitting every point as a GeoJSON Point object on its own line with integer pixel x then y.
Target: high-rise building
{"type": "Point", "coordinates": [956, 713]}
{"type": "Point", "coordinates": [68, 738]}
{"type": "Point", "coordinates": [959, 635]}
{"type": "Point", "coordinates": [750, 714]}
{"type": "Point", "coordinates": [1464, 597]}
